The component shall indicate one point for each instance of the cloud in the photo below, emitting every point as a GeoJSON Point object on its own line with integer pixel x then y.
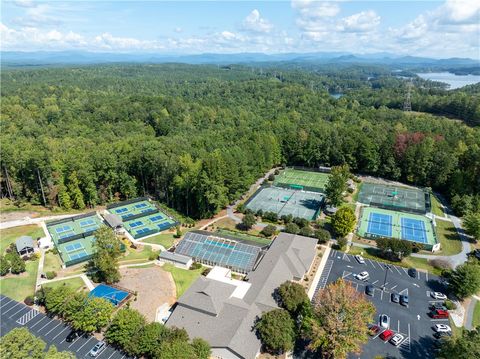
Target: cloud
{"type": "Point", "coordinates": [255, 23]}
{"type": "Point", "coordinates": [362, 22]}
{"type": "Point", "coordinates": [25, 3]}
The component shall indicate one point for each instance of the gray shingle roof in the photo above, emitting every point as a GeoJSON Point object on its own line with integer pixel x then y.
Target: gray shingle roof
{"type": "Point", "coordinates": [207, 309]}
{"type": "Point", "coordinates": [24, 242]}
{"type": "Point", "coordinates": [113, 220]}
{"type": "Point", "coordinates": [179, 258]}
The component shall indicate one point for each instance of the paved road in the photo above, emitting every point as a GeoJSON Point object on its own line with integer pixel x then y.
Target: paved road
{"type": "Point", "coordinates": [14, 315]}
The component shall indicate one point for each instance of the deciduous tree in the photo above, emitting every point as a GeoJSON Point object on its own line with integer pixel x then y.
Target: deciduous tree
{"type": "Point", "coordinates": [465, 279]}
{"type": "Point", "coordinates": [277, 330]}
{"type": "Point", "coordinates": [292, 296]}
{"type": "Point", "coordinates": [343, 221]}
{"type": "Point", "coordinates": [337, 184]}
{"type": "Point", "coordinates": [125, 324]}
{"type": "Point", "coordinates": [104, 264]}
{"type": "Point", "coordinates": [471, 222]}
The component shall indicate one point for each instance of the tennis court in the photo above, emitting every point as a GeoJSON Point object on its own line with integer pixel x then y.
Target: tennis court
{"type": "Point", "coordinates": [285, 201]}
{"type": "Point", "coordinates": [313, 180]}
{"type": "Point", "coordinates": [376, 222]}
{"type": "Point", "coordinates": [135, 209]}
{"type": "Point", "coordinates": [215, 250]}
{"type": "Point", "coordinates": [395, 197]}
{"type": "Point", "coordinates": [112, 294]}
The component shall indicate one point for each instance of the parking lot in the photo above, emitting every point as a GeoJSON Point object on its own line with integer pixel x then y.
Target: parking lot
{"type": "Point", "coordinates": [413, 322]}
{"type": "Point", "coordinates": [14, 315]}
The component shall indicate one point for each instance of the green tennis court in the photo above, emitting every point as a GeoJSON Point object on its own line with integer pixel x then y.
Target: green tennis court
{"type": "Point", "coordinates": [308, 179]}
{"type": "Point", "coordinates": [376, 222]}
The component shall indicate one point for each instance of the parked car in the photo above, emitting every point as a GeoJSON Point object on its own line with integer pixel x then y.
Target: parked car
{"type": "Point", "coordinates": [373, 329]}
{"type": "Point", "coordinates": [359, 259]}
{"type": "Point", "coordinates": [437, 305]}
{"type": "Point", "coordinates": [438, 295]}
{"type": "Point", "coordinates": [369, 289]}
{"type": "Point", "coordinates": [362, 276]}
{"type": "Point", "coordinates": [384, 321]}
{"type": "Point", "coordinates": [397, 339]}
{"type": "Point", "coordinates": [74, 334]}
{"type": "Point", "coordinates": [98, 348]}
{"type": "Point", "coordinates": [440, 335]}
{"type": "Point", "coordinates": [404, 300]}
{"type": "Point", "coordinates": [442, 328]}
{"type": "Point", "coordinates": [412, 272]}
{"type": "Point", "coordinates": [439, 314]}
{"type": "Point", "coordinates": [395, 297]}
{"type": "Point", "coordinates": [386, 335]}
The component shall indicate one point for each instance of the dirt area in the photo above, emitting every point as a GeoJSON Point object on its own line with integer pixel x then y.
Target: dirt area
{"type": "Point", "coordinates": [153, 285]}
{"type": "Point", "coordinates": [17, 215]}
{"type": "Point", "coordinates": [307, 280]}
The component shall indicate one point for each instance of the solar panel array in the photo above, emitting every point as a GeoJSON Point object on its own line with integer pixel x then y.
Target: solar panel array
{"type": "Point", "coordinates": [212, 250]}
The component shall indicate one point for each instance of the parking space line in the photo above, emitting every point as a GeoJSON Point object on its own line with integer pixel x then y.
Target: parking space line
{"type": "Point", "coordinates": [404, 270]}
{"type": "Point", "coordinates": [397, 270]}
{"type": "Point", "coordinates": [332, 253]}
{"type": "Point", "coordinates": [18, 311]}
{"type": "Point", "coordinates": [395, 286]}
{"type": "Point", "coordinates": [37, 322]}
{"type": "Point", "coordinates": [398, 326]}
{"type": "Point", "coordinates": [3, 313]}
{"type": "Point", "coordinates": [426, 276]}
{"type": "Point", "coordinates": [104, 351]}
{"type": "Point", "coordinates": [84, 343]}
{"type": "Point", "coordinates": [439, 320]}
{"type": "Point", "coordinates": [55, 337]}
{"type": "Point", "coordinates": [111, 355]}
{"type": "Point", "coordinates": [53, 329]}
{"type": "Point", "coordinates": [8, 300]}
{"type": "Point", "coordinates": [371, 263]}
{"type": "Point", "coordinates": [375, 281]}
{"type": "Point", "coordinates": [44, 326]}
{"type": "Point", "coordinates": [24, 319]}
{"type": "Point", "coordinates": [345, 257]}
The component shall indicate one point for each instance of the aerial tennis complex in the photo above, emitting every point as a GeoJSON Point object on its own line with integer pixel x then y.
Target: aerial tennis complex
{"type": "Point", "coordinates": [73, 237]}
{"type": "Point", "coordinates": [396, 212]}
{"type": "Point", "coordinates": [141, 217]}
{"type": "Point", "coordinates": [214, 249]}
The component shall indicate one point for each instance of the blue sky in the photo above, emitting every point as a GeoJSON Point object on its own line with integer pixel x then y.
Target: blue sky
{"type": "Point", "coordinates": [428, 28]}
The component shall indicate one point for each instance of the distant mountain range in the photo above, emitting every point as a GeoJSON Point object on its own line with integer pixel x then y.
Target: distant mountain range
{"type": "Point", "coordinates": [41, 58]}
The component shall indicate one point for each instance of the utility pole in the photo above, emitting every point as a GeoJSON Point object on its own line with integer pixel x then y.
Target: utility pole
{"type": "Point", "coordinates": [8, 183]}
{"type": "Point", "coordinates": [407, 105]}
{"type": "Point", "coordinates": [387, 268]}
{"type": "Point", "coordinates": [41, 187]}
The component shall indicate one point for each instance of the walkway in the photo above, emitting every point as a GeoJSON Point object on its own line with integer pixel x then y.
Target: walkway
{"type": "Point", "coordinates": [469, 312]}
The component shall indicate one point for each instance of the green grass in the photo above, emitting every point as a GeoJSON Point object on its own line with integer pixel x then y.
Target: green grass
{"type": "Point", "coordinates": [350, 205]}
{"type": "Point", "coordinates": [476, 315]}
{"type": "Point", "coordinates": [183, 278]}
{"type": "Point", "coordinates": [373, 253]}
{"type": "Point", "coordinates": [357, 191]}
{"type": "Point", "coordinates": [74, 283]}
{"type": "Point", "coordinates": [52, 262]}
{"type": "Point", "coordinates": [20, 286]}
{"type": "Point", "coordinates": [245, 236]}
{"type": "Point", "coordinates": [436, 206]}
{"type": "Point", "coordinates": [136, 256]}
{"type": "Point", "coordinates": [164, 239]}
{"type": "Point", "coordinates": [10, 235]}
{"type": "Point", "coordinates": [448, 238]}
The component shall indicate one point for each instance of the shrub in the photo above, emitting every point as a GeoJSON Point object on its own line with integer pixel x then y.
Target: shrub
{"type": "Point", "coordinates": [55, 250]}
{"type": "Point", "coordinates": [276, 172]}
{"type": "Point", "coordinates": [206, 271]}
{"type": "Point", "coordinates": [450, 305]}
{"type": "Point", "coordinates": [350, 190]}
{"type": "Point", "coordinates": [292, 228]}
{"type": "Point", "coordinates": [17, 265]}
{"type": "Point", "coordinates": [269, 230]}
{"type": "Point", "coordinates": [153, 255]}
{"type": "Point", "coordinates": [417, 247]}
{"type": "Point", "coordinates": [178, 233]}
{"type": "Point", "coordinates": [241, 208]}
{"type": "Point", "coordinates": [34, 256]}
{"type": "Point", "coordinates": [196, 265]}
{"type": "Point", "coordinates": [260, 212]}
{"type": "Point", "coordinates": [51, 275]}
{"type": "Point", "coordinates": [271, 177]}
{"type": "Point", "coordinates": [286, 218]}
{"type": "Point", "coordinates": [29, 300]}
{"type": "Point", "coordinates": [301, 222]}
{"type": "Point", "coordinates": [306, 231]}
{"type": "Point", "coordinates": [4, 266]}
{"type": "Point", "coordinates": [341, 242]}
{"type": "Point", "coordinates": [322, 235]}
{"type": "Point", "coordinates": [440, 263]}
{"type": "Point", "coordinates": [270, 216]}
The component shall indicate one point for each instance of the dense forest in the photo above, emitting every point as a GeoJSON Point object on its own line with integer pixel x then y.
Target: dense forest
{"type": "Point", "coordinates": [196, 137]}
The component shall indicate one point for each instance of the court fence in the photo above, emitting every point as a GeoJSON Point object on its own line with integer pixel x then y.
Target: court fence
{"type": "Point", "coordinates": [127, 202]}
{"type": "Point", "coordinates": [320, 169]}
{"type": "Point", "coordinates": [305, 188]}
{"type": "Point", "coordinates": [140, 215]}
{"type": "Point", "coordinates": [394, 207]}
{"type": "Point", "coordinates": [78, 260]}
{"type": "Point", "coordinates": [71, 219]}
{"type": "Point", "coordinates": [76, 236]}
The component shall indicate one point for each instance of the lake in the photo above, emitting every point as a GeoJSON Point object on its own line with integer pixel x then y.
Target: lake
{"type": "Point", "coordinates": [455, 81]}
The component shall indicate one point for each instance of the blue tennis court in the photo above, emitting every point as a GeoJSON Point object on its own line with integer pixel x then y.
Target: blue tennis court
{"type": "Point", "coordinates": [121, 210]}
{"type": "Point", "coordinates": [136, 224]}
{"type": "Point", "coordinates": [87, 223]}
{"type": "Point", "coordinates": [143, 230]}
{"type": "Point", "coordinates": [141, 205]}
{"type": "Point", "coordinates": [63, 229]}
{"type": "Point", "coordinates": [73, 247]}
{"type": "Point", "coordinates": [113, 295]}
{"type": "Point", "coordinates": [156, 218]}
{"type": "Point", "coordinates": [380, 224]}
{"type": "Point", "coordinates": [414, 230]}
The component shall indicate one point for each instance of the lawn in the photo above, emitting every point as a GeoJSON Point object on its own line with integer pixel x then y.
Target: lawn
{"type": "Point", "coordinates": [52, 262]}
{"type": "Point", "coordinates": [183, 278]}
{"type": "Point", "coordinates": [373, 253]}
{"type": "Point", "coordinates": [20, 286]}
{"type": "Point", "coordinates": [436, 206]}
{"type": "Point", "coordinates": [74, 283]}
{"type": "Point", "coordinates": [357, 191]}
{"type": "Point", "coordinates": [164, 239]}
{"type": "Point", "coordinates": [134, 256]}
{"type": "Point", "coordinates": [245, 236]}
{"type": "Point", "coordinates": [476, 315]}
{"type": "Point", "coordinates": [9, 235]}
{"type": "Point", "coordinates": [448, 237]}
{"type": "Point", "coordinates": [231, 225]}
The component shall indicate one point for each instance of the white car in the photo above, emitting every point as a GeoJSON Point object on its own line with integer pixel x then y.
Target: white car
{"type": "Point", "coordinates": [362, 276]}
{"type": "Point", "coordinates": [98, 348]}
{"type": "Point", "coordinates": [442, 328]}
{"type": "Point", "coordinates": [359, 259]}
{"type": "Point", "coordinates": [397, 339]}
{"type": "Point", "coordinates": [384, 321]}
{"type": "Point", "coordinates": [438, 295]}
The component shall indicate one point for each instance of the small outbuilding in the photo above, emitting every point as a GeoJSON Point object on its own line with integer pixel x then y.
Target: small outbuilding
{"type": "Point", "coordinates": [178, 260]}
{"type": "Point", "coordinates": [115, 222]}
{"type": "Point", "coordinates": [24, 245]}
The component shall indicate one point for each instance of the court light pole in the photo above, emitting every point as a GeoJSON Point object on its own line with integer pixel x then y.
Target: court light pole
{"type": "Point", "coordinates": [387, 268]}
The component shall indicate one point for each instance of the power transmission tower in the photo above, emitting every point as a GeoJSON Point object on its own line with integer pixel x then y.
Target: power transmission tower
{"type": "Point", "coordinates": [407, 105]}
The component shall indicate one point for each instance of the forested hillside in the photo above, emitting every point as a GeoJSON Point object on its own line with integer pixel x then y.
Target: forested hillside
{"type": "Point", "coordinates": [196, 137]}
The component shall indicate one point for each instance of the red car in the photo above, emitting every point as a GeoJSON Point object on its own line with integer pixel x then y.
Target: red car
{"type": "Point", "coordinates": [373, 329]}
{"type": "Point", "coordinates": [386, 335]}
{"type": "Point", "coordinates": [439, 314]}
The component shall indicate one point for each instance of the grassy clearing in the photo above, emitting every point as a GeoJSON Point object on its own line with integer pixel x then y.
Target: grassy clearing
{"type": "Point", "coordinates": [9, 235]}
{"type": "Point", "coordinates": [357, 191]}
{"type": "Point", "coordinates": [245, 236]}
{"type": "Point", "coordinates": [231, 225]}
{"type": "Point", "coordinates": [18, 287]}
{"type": "Point", "coordinates": [73, 283]}
{"type": "Point", "coordinates": [448, 237]}
{"type": "Point", "coordinates": [8, 206]}
{"type": "Point", "coordinates": [183, 278]}
{"type": "Point", "coordinates": [436, 206]}
{"type": "Point", "coordinates": [164, 239]}
{"type": "Point", "coordinates": [52, 262]}
{"type": "Point", "coordinates": [418, 263]}
{"type": "Point", "coordinates": [476, 315]}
